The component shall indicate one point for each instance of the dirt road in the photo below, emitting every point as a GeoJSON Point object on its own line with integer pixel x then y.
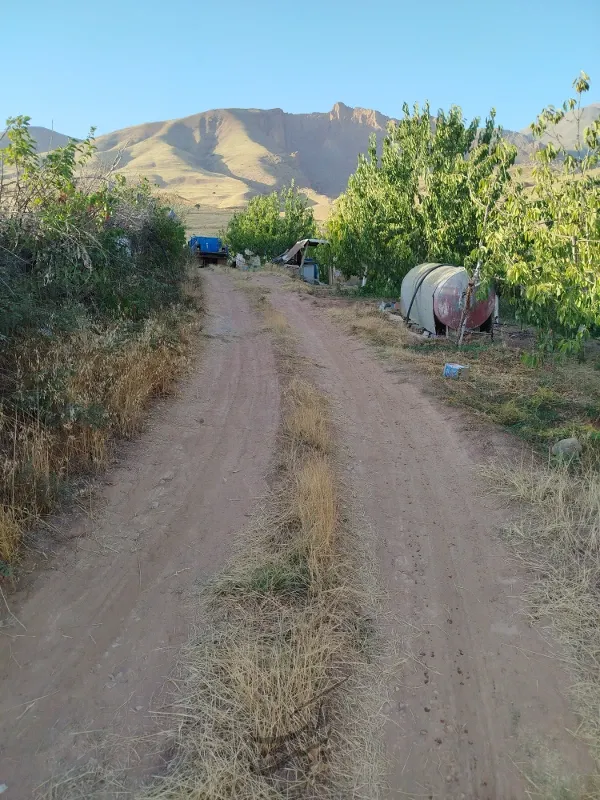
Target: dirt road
{"type": "Point", "coordinates": [99, 632]}
{"type": "Point", "coordinates": [471, 687]}
{"type": "Point", "coordinates": [474, 696]}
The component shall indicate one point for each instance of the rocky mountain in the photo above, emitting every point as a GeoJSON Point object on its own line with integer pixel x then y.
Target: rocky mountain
{"type": "Point", "coordinates": [221, 158]}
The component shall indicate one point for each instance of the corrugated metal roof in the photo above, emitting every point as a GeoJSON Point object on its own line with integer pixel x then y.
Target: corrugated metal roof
{"type": "Point", "coordinates": [299, 245]}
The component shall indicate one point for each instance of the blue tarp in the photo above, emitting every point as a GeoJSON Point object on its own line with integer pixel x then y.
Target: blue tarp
{"type": "Point", "coordinates": [207, 244]}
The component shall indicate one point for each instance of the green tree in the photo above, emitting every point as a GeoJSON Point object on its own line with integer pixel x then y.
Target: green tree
{"type": "Point", "coordinates": [423, 199]}
{"type": "Point", "coordinates": [272, 223]}
{"type": "Point", "coordinates": [74, 242]}
{"type": "Point", "coordinates": [547, 244]}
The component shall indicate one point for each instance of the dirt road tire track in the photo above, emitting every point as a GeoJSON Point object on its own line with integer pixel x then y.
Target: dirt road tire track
{"type": "Point", "coordinates": [468, 696]}
{"type": "Point", "coordinates": [103, 626]}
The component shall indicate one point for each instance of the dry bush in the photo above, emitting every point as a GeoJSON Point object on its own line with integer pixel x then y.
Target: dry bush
{"type": "Point", "coordinates": [10, 532]}
{"type": "Point", "coordinates": [95, 385]}
{"type": "Point", "coordinates": [306, 420]}
{"type": "Point", "coordinates": [371, 325]}
{"type": "Point", "coordinates": [558, 538]}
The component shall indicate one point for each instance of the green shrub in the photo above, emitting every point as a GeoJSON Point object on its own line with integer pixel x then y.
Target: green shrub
{"type": "Point", "coordinates": [91, 318]}
{"type": "Point", "coordinates": [422, 198]}
{"type": "Point", "coordinates": [270, 224]}
{"type": "Point", "coordinates": [73, 244]}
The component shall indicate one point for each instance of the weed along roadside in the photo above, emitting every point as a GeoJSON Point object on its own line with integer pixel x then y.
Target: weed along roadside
{"type": "Point", "coordinates": [539, 403]}
{"type": "Point", "coordinates": [272, 696]}
{"type": "Point", "coordinates": [96, 320]}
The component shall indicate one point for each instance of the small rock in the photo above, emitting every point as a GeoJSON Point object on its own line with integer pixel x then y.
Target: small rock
{"type": "Point", "coordinates": [168, 476]}
{"type": "Point", "coordinates": [201, 420]}
{"type": "Point", "coordinates": [569, 448]}
{"type": "Point", "coordinates": [426, 708]}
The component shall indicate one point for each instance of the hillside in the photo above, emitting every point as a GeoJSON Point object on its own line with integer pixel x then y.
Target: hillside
{"type": "Point", "coordinates": [45, 138]}
{"type": "Point", "coordinates": [219, 159]}
{"type": "Point", "coordinates": [567, 129]}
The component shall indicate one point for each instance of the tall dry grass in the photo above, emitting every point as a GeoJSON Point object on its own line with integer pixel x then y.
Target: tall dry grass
{"type": "Point", "coordinates": [75, 394]}
{"type": "Point", "coordinates": [557, 536]}
{"type": "Point", "coordinates": [306, 420]}
{"type": "Point", "coordinates": [273, 698]}
{"type": "Point", "coordinates": [371, 325]}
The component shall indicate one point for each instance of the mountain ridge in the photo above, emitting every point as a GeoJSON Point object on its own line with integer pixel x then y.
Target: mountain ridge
{"type": "Point", "coordinates": [222, 157]}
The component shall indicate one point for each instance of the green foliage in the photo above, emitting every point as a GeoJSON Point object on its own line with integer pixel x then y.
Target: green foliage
{"type": "Point", "coordinates": [427, 197]}
{"type": "Point", "coordinates": [442, 190]}
{"type": "Point", "coordinates": [547, 242]}
{"type": "Point", "coordinates": [76, 243]}
{"type": "Point", "coordinates": [80, 253]}
{"type": "Point", "coordinates": [270, 224]}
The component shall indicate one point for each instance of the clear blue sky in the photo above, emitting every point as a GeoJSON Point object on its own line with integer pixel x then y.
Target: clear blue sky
{"type": "Point", "coordinates": [116, 63]}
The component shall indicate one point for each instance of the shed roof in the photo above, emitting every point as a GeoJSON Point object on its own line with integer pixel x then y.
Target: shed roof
{"type": "Point", "coordinates": [287, 256]}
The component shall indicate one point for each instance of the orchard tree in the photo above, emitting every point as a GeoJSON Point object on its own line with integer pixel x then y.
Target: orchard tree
{"type": "Point", "coordinates": [547, 246]}
{"type": "Point", "coordinates": [424, 198]}
{"type": "Point", "coordinates": [272, 223]}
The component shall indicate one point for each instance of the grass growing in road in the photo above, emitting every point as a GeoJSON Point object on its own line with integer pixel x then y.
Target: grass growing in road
{"type": "Point", "coordinates": [307, 419]}
{"type": "Point", "coordinates": [273, 701]}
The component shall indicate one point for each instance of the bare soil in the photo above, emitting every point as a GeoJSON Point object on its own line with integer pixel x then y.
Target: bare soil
{"type": "Point", "coordinates": [472, 687]}
{"type": "Point", "coordinates": [100, 629]}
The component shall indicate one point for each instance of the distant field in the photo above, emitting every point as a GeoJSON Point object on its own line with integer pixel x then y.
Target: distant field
{"type": "Point", "coordinates": [207, 220]}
